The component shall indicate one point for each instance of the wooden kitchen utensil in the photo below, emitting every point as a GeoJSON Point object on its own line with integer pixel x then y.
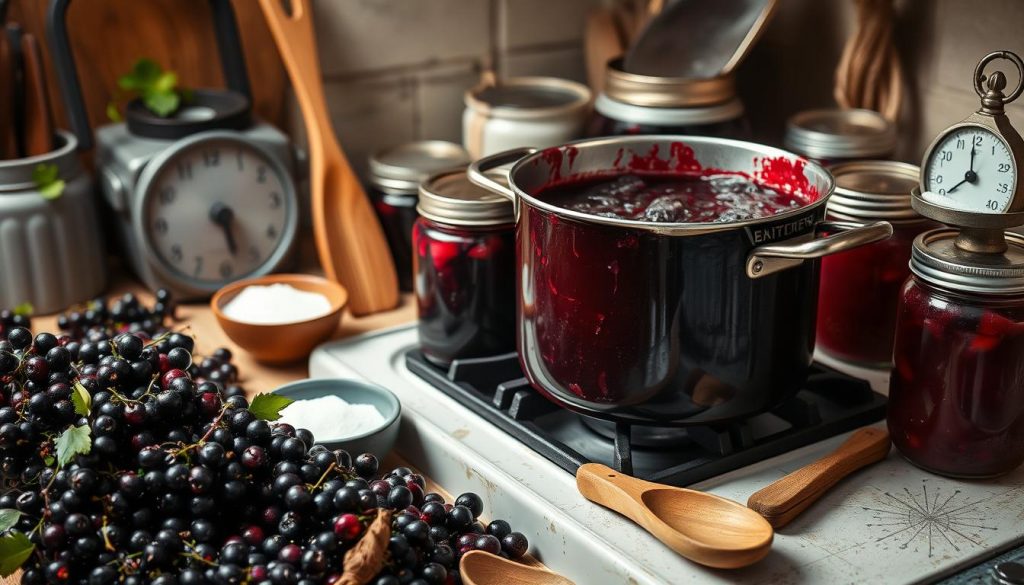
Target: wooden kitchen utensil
{"type": "Point", "coordinates": [8, 134]}
{"type": "Point", "coordinates": [785, 499]}
{"type": "Point", "coordinates": [38, 120]}
{"type": "Point", "coordinates": [481, 568]}
{"type": "Point", "coordinates": [704, 528]}
{"type": "Point", "coordinates": [349, 239]}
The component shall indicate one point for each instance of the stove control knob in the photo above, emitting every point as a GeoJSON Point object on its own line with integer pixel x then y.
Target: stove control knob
{"type": "Point", "coordinates": [1009, 573]}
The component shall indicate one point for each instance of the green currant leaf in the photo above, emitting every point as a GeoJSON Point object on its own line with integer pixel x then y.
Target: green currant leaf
{"type": "Point", "coordinates": [24, 309]}
{"type": "Point", "coordinates": [47, 180]}
{"type": "Point", "coordinates": [52, 191]}
{"type": "Point", "coordinates": [146, 71]}
{"type": "Point", "coordinates": [81, 399]}
{"type": "Point", "coordinates": [15, 549]}
{"type": "Point", "coordinates": [49, 460]}
{"type": "Point", "coordinates": [269, 406]}
{"type": "Point", "coordinates": [73, 441]}
{"type": "Point", "coordinates": [162, 104]}
{"type": "Point", "coordinates": [113, 113]}
{"type": "Point", "coordinates": [8, 519]}
{"type": "Point", "coordinates": [165, 83]}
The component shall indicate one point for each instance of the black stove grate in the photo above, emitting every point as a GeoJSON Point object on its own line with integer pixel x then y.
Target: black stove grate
{"type": "Point", "coordinates": [831, 403]}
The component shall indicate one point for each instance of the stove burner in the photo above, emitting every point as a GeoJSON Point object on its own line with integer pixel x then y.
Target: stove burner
{"type": "Point", "coordinates": [831, 403]}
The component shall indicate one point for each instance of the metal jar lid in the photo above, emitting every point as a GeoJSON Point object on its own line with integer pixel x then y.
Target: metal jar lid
{"type": "Point", "coordinates": [830, 134]}
{"type": "Point", "coordinates": [528, 98]}
{"type": "Point", "coordinates": [450, 198]}
{"type": "Point", "coordinates": [874, 189]}
{"type": "Point", "coordinates": [695, 116]}
{"type": "Point", "coordinates": [665, 92]}
{"type": "Point", "coordinates": [402, 167]}
{"type": "Point", "coordinates": [938, 261]}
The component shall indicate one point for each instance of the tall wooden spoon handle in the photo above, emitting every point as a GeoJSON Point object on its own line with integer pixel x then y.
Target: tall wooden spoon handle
{"type": "Point", "coordinates": [785, 499]}
{"type": "Point", "coordinates": [349, 238]}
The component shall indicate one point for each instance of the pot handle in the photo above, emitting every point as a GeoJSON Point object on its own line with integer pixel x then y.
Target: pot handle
{"type": "Point", "coordinates": [772, 258]}
{"type": "Point", "coordinates": [477, 171]}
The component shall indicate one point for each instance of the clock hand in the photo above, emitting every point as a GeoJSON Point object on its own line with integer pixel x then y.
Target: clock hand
{"type": "Point", "coordinates": [969, 177]}
{"type": "Point", "coordinates": [222, 215]}
{"type": "Point", "coordinates": [953, 188]}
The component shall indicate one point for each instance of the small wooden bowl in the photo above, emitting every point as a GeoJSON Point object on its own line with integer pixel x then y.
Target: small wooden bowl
{"type": "Point", "coordinates": [282, 342]}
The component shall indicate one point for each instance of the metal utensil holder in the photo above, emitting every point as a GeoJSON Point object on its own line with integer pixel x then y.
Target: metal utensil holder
{"type": "Point", "coordinates": [51, 251]}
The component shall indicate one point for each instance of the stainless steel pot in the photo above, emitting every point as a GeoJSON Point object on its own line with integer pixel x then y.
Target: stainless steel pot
{"type": "Point", "coordinates": [667, 323]}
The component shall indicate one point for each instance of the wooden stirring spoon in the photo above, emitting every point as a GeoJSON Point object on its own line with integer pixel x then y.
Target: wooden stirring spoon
{"type": "Point", "coordinates": [349, 239]}
{"type": "Point", "coordinates": [8, 133]}
{"type": "Point", "coordinates": [785, 499]}
{"type": "Point", "coordinates": [704, 528]}
{"type": "Point", "coordinates": [38, 120]}
{"type": "Point", "coordinates": [481, 568]}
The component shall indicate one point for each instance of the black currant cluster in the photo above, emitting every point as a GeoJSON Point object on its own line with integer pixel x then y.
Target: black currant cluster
{"type": "Point", "coordinates": [180, 481]}
{"type": "Point", "coordinates": [10, 319]}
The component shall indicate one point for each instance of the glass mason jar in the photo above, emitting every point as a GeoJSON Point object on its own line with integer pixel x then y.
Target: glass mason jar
{"type": "Point", "coordinates": [464, 245]}
{"type": "Point", "coordinates": [860, 289]}
{"type": "Point", "coordinates": [832, 136]}
{"type": "Point", "coordinates": [956, 398]}
{"type": "Point", "coordinates": [395, 176]}
{"type": "Point", "coordinates": [642, 104]}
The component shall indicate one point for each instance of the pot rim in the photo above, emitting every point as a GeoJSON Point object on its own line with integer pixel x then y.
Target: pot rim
{"type": "Point", "coordinates": [582, 97]}
{"type": "Point", "coordinates": [671, 228]}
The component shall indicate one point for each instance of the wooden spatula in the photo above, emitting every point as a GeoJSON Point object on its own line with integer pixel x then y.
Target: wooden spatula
{"type": "Point", "coordinates": [349, 239]}
{"type": "Point", "coordinates": [38, 121]}
{"type": "Point", "coordinates": [785, 499]}
{"type": "Point", "coordinates": [8, 135]}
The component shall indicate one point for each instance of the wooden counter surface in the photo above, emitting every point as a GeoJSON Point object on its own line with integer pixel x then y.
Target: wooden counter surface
{"type": "Point", "coordinates": [198, 320]}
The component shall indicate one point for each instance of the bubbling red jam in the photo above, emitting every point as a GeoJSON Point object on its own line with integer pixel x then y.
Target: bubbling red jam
{"type": "Point", "coordinates": [672, 198]}
{"type": "Point", "coordinates": [956, 398]}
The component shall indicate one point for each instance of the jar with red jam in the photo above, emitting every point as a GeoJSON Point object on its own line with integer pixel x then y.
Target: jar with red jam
{"type": "Point", "coordinates": [861, 288]}
{"type": "Point", "coordinates": [464, 246]}
{"type": "Point", "coordinates": [832, 136]}
{"type": "Point", "coordinates": [395, 176]}
{"type": "Point", "coordinates": [642, 104]}
{"type": "Point", "coordinates": [956, 398]}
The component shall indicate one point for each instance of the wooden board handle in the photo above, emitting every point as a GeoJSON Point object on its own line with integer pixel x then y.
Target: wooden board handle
{"type": "Point", "coordinates": [349, 239]}
{"type": "Point", "coordinates": [785, 499]}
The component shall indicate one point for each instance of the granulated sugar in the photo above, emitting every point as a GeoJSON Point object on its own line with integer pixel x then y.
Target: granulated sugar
{"type": "Point", "coordinates": [275, 304]}
{"type": "Point", "coordinates": [330, 417]}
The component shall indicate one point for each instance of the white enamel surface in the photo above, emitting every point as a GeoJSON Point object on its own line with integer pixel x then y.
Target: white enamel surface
{"type": "Point", "coordinates": [946, 172]}
{"type": "Point", "coordinates": [840, 539]}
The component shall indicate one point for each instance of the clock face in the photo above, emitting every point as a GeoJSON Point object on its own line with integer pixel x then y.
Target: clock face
{"type": "Point", "coordinates": [216, 211]}
{"type": "Point", "coordinates": [971, 169]}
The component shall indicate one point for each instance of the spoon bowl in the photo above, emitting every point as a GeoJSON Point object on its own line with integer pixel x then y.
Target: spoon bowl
{"type": "Point", "coordinates": [480, 568]}
{"type": "Point", "coordinates": [704, 528]}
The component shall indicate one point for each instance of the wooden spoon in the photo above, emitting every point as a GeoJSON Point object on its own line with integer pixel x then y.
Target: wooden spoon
{"type": "Point", "coordinates": [38, 120]}
{"type": "Point", "coordinates": [8, 134]}
{"type": "Point", "coordinates": [785, 499]}
{"type": "Point", "coordinates": [349, 239]}
{"type": "Point", "coordinates": [704, 528]}
{"type": "Point", "coordinates": [480, 568]}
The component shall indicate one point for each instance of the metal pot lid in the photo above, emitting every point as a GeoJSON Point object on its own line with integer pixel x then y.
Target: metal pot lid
{"type": "Point", "coordinates": [938, 261]}
{"type": "Point", "coordinates": [828, 134]}
{"type": "Point", "coordinates": [449, 197]}
{"type": "Point", "coordinates": [874, 189]}
{"type": "Point", "coordinates": [404, 166]}
{"type": "Point", "coordinates": [666, 92]}
{"type": "Point", "coordinates": [695, 116]}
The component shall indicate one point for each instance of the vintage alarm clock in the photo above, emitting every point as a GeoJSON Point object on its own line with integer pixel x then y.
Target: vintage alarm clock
{"type": "Point", "coordinates": [956, 399]}
{"type": "Point", "coordinates": [203, 197]}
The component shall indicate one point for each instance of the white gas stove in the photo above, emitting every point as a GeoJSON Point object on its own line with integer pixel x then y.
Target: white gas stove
{"type": "Point", "coordinates": [889, 523]}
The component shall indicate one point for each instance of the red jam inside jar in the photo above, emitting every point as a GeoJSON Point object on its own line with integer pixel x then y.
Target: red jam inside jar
{"type": "Point", "coordinates": [956, 399]}
{"type": "Point", "coordinates": [672, 198]}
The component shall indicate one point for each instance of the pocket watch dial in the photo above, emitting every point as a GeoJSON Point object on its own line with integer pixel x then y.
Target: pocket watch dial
{"type": "Point", "coordinates": [217, 211]}
{"type": "Point", "coordinates": [971, 169]}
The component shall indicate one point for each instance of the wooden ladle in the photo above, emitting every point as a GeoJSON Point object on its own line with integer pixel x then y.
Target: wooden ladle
{"type": "Point", "coordinates": [480, 568]}
{"type": "Point", "coordinates": [349, 239]}
{"type": "Point", "coordinates": [704, 528]}
{"type": "Point", "coordinates": [785, 499]}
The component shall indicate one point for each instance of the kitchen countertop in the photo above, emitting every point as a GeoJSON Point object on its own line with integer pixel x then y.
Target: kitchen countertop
{"type": "Point", "coordinates": [198, 318]}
